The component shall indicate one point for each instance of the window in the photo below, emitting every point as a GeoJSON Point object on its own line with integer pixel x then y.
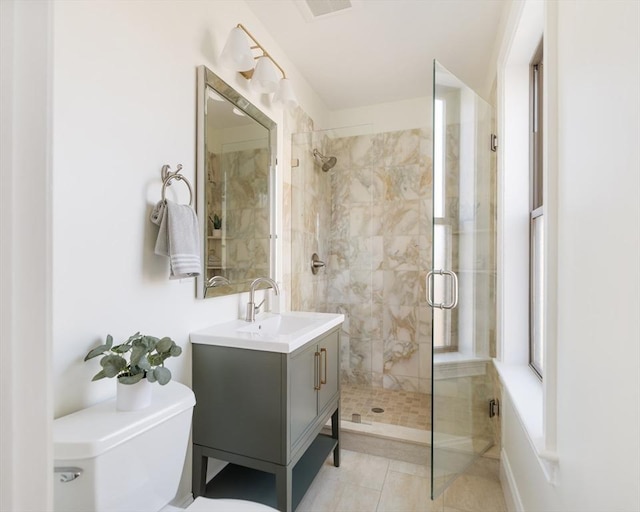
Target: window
{"type": "Point", "coordinates": [442, 341]}
{"type": "Point", "coordinates": [534, 401]}
{"type": "Point", "coordinates": [536, 224]}
{"type": "Point", "coordinates": [439, 192]}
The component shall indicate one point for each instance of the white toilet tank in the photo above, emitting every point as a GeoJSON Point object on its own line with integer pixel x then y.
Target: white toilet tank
{"type": "Point", "coordinates": [128, 461]}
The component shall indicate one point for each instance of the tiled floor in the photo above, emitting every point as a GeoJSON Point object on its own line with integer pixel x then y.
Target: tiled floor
{"type": "Point", "coordinates": [369, 483]}
{"type": "Point", "coordinates": [403, 408]}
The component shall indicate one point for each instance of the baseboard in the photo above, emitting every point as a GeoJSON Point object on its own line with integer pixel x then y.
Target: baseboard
{"type": "Point", "coordinates": [509, 487]}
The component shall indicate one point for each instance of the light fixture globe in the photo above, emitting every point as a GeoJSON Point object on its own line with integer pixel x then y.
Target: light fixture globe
{"type": "Point", "coordinates": [265, 76]}
{"type": "Point", "coordinates": [264, 72]}
{"type": "Point", "coordinates": [236, 54]}
{"type": "Point", "coordinates": [285, 95]}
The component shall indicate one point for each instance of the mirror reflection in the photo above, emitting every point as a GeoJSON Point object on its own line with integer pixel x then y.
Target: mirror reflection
{"type": "Point", "coordinates": [235, 155]}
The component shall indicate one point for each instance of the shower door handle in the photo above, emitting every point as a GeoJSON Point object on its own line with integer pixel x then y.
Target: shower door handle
{"type": "Point", "coordinates": [454, 289]}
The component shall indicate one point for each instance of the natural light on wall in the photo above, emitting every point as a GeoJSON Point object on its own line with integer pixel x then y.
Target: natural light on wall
{"type": "Point", "coordinates": [441, 230]}
{"type": "Point", "coordinates": [438, 159]}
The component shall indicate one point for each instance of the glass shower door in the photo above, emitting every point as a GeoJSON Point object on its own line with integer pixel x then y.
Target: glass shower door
{"type": "Point", "coordinates": [459, 286]}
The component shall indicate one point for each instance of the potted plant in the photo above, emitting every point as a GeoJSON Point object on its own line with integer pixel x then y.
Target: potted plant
{"type": "Point", "coordinates": [145, 365]}
{"type": "Point", "coordinates": [217, 225]}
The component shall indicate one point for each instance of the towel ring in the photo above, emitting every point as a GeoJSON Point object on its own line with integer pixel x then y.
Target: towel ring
{"type": "Point", "coordinates": [177, 176]}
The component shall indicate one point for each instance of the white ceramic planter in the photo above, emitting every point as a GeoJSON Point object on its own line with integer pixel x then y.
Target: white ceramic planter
{"type": "Point", "coordinates": [133, 397]}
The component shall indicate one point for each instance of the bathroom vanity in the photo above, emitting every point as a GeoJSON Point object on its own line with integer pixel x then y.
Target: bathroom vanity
{"type": "Point", "coordinates": [264, 391]}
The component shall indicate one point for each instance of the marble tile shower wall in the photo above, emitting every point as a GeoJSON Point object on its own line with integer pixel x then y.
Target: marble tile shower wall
{"type": "Point", "coordinates": [379, 253]}
{"type": "Point", "coordinates": [243, 206]}
{"type": "Point", "coordinates": [370, 219]}
{"type": "Point", "coordinates": [310, 221]}
{"type": "Point", "coordinates": [295, 122]}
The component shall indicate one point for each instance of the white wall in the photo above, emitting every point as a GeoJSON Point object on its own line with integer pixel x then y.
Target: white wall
{"type": "Point", "coordinates": [124, 104]}
{"type": "Point", "coordinates": [25, 269]}
{"type": "Point", "coordinates": [384, 117]}
{"type": "Point", "coordinates": [96, 97]}
{"type": "Point", "coordinates": [597, 69]}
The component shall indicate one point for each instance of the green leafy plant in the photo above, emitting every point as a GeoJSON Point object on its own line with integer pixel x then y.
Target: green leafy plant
{"type": "Point", "coordinates": [146, 354]}
{"type": "Point", "coordinates": [217, 221]}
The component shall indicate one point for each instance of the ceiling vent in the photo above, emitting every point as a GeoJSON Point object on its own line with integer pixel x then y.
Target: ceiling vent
{"type": "Point", "coordinates": [318, 8]}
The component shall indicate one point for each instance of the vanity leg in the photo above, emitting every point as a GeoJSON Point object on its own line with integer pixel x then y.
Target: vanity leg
{"type": "Point", "coordinates": [335, 433]}
{"type": "Point", "coordinates": [199, 472]}
{"type": "Point", "coordinates": [284, 486]}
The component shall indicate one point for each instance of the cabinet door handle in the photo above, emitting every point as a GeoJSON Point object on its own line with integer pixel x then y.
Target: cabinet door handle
{"type": "Point", "coordinates": [317, 384]}
{"type": "Point", "coordinates": [323, 380]}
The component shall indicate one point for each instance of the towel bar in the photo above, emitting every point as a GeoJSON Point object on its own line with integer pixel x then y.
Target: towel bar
{"type": "Point", "coordinates": [167, 176]}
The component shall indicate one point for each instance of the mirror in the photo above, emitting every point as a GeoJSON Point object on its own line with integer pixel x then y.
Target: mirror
{"type": "Point", "coordinates": [236, 155]}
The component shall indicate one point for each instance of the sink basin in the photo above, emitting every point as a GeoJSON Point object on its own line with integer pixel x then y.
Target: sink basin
{"type": "Point", "coordinates": [276, 325]}
{"type": "Point", "coordinates": [270, 332]}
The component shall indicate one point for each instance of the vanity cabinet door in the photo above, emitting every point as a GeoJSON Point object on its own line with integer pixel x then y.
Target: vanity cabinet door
{"type": "Point", "coordinates": [302, 391]}
{"type": "Point", "coordinates": [329, 349]}
{"type": "Point", "coordinates": [239, 405]}
{"type": "Point", "coordinates": [313, 383]}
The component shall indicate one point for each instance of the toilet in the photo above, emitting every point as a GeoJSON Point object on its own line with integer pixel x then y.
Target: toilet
{"type": "Point", "coordinates": [108, 461]}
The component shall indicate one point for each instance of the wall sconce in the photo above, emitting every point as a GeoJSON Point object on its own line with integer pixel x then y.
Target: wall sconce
{"type": "Point", "coordinates": [262, 70]}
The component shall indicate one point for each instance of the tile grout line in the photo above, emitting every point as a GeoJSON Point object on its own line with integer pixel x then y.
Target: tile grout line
{"type": "Point", "coordinates": [384, 482]}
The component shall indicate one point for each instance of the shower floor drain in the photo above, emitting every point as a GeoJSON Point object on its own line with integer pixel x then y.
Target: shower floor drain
{"type": "Point", "coordinates": [377, 409]}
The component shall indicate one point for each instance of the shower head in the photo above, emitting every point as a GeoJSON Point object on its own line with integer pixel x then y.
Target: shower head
{"type": "Point", "coordinates": [327, 161]}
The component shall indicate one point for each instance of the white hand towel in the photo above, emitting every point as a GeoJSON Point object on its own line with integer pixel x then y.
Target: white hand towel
{"type": "Point", "coordinates": [178, 238]}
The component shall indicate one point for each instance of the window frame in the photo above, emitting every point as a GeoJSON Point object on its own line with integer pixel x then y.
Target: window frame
{"type": "Point", "coordinates": [444, 342]}
{"type": "Point", "coordinates": [536, 254]}
{"type": "Point", "coordinates": [447, 343]}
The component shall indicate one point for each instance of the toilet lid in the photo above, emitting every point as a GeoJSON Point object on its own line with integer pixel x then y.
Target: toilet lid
{"type": "Point", "coordinates": [202, 504]}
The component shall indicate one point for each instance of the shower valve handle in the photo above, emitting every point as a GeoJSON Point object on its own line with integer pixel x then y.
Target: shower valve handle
{"type": "Point", "coordinates": [316, 263]}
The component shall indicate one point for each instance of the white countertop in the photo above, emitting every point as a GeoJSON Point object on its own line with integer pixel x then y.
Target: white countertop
{"type": "Point", "coordinates": [282, 333]}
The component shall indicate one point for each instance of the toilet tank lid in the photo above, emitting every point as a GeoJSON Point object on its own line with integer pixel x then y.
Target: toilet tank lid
{"type": "Point", "coordinates": [92, 431]}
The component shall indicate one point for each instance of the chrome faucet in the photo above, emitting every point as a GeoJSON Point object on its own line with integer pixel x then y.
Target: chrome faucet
{"type": "Point", "coordinates": [251, 306]}
{"type": "Point", "coordinates": [216, 281]}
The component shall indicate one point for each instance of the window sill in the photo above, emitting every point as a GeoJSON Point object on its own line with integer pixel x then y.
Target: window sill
{"type": "Point", "coordinates": [526, 394]}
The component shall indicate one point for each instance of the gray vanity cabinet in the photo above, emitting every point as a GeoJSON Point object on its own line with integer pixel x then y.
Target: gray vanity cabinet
{"type": "Point", "coordinates": [265, 410]}
{"type": "Point", "coordinates": [303, 396]}
{"type": "Point", "coordinates": [330, 369]}
{"type": "Point", "coordinates": [312, 391]}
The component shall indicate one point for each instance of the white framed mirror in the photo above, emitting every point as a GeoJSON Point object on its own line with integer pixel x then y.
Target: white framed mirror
{"type": "Point", "coordinates": [236, 155]}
